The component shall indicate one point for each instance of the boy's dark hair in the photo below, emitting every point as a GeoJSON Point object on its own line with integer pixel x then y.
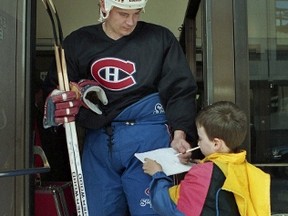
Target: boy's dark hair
{"type": "Point", "coordinates": [224, 120]}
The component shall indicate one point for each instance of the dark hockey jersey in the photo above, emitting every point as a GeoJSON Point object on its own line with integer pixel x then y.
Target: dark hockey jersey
{"type": "Point", "coordinates": [148, 60]}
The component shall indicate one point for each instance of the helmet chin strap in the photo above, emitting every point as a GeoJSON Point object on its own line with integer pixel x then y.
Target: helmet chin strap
{"type": "Point", "coordinates": [107, 7]}
{"type": "Point", "coordinates": [103, 16]}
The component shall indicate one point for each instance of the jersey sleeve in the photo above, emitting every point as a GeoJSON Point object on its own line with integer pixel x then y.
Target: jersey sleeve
{"type": "Point", "coordinates": [178, 89]}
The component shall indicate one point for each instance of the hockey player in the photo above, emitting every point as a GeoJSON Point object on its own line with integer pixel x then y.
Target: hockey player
{"type": "Point", "coordinates": [151, 103]}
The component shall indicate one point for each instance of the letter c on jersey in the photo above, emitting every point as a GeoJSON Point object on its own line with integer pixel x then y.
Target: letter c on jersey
{"type": "Point", "coordinates": [113, 74]}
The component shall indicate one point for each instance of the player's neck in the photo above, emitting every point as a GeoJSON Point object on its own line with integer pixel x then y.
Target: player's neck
{"type": "Point", "coordinates": [109, 32]}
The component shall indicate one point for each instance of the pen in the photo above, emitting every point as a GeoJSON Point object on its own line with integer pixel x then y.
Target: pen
{"type": "Point", "coordinates": [189, 150]}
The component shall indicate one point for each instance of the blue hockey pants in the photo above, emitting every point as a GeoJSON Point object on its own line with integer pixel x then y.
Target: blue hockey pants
{"type": "Point", "coordinates": [114, 180]}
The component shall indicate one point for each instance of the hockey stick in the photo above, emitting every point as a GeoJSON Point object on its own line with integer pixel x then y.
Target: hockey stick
{"type": "Point", "coordinates": [70, 128]}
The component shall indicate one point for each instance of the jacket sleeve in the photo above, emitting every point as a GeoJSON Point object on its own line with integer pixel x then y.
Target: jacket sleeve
{"type": "Point", "coordinates": [159, 195]}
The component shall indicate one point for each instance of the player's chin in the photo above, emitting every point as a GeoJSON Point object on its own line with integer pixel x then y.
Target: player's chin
{"type": "Point", "coordinates": [126, 32]}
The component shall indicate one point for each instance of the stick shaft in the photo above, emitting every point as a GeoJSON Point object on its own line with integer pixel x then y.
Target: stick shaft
{"type": "Point", "coordinates": [72, 142]}
{"type": "Point", "coordinates": [58, 66]}
{"type": "Point", "coordinates": [76, 170]}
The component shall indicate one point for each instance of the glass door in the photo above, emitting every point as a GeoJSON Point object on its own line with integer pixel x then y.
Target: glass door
{"type": "Point", "coordinates": [268, 72]}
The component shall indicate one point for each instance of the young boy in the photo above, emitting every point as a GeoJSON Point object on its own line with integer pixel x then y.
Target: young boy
{"type": "Point", "coordinates": [223, 183]}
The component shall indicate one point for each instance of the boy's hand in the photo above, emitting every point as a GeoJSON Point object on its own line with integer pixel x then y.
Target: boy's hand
{"type": "Point", "coordinates": [151, 167]}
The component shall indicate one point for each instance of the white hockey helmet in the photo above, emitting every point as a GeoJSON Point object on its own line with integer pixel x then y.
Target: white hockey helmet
{"type": "Point", "coordinates": [124, 4]}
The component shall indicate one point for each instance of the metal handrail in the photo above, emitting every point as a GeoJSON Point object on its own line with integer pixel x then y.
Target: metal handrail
{"type": "Point", "coordinates": [37, 150]}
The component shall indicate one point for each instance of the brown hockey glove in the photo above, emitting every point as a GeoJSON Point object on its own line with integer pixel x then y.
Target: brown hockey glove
{"type": "Point", "coordinates": [62, 106]}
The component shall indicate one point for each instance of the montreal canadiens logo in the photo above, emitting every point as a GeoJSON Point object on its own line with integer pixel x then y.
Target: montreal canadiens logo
{"type": "Point", "coordinates": [113, 74]}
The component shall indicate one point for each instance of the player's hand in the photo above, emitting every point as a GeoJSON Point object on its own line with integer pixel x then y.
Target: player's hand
{"type": "Point", "coordinates": [63, 106]}
{"type": "Point", "coordinates": [151, 167]}
{"type": "Point", "coordinates": [60, 107]}
{"type": "Point", "coordinates": [180, 144]}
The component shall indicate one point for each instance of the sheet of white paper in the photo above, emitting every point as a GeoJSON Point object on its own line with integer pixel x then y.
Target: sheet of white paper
{"type": "Point", "coordinates": [168, 160]}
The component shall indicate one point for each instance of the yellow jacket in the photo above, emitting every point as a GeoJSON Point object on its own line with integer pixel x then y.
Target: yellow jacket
{"type": "Point", "coordinates": [249, 184]}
